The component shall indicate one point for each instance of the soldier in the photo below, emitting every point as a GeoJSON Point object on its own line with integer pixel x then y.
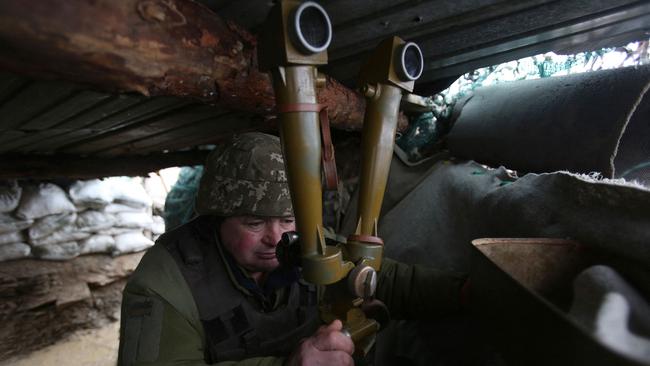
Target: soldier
{"type": "Point", "coordinates": [212, 290]}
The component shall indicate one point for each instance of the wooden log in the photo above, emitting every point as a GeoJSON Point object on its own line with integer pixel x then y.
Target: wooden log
{"type": "Point", "coordinates": [154, 47]}
{"type": "Point", "coordinates": [74, 167]}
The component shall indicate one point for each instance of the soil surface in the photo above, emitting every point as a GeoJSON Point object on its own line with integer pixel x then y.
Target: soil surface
{"type": "Point", "coordinates": [96, 347]}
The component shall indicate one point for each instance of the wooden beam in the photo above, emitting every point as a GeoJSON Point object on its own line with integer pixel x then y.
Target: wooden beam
{"type": "Point", "coordinates": [73, 167]}
{"type": "Point", "coordinates": [154, 47]}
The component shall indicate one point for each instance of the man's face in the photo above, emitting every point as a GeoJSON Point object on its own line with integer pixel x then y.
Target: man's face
{"type": "Point", "coordinates": [252, 240]}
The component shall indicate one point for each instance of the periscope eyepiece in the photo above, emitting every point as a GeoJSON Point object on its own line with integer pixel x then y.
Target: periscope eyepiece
{"type": "Point", "coordinates": [311, 28]}
{"type": "Point", "coordinates": [410, 62]}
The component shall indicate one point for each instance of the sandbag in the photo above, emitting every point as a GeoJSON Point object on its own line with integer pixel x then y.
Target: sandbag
{"type": "Point", "coordinates": [57, 252]}
{"type": "Point", "coordinates": [42, 200]}
{"type": "Point", "coordinates": [118, 207]}
{"type": "Point", "coordinates": [12, 237]}
{"type": "Point", "coordinates": [130, 242]}
{"type": "Point", "coordinates": [91, 194]}
{"type": "Point", "coordinates": [66, 233]}
{"type": "Point", "coordinates": [9, 223]}
{"type": "Point", "coordinates": [135, 220]}
{"type": "Point", "coordinates": [129, 192]}
{"type": "Point", "coordinates": [583, 123]}
{"type": "Point", "coordinates": [49, 224]}
{"type": "Point", "coordinates": [93, 220]}
{"type": "Point", "coordinates": [97, 244]}
{"type": "Point", "coordinates": [156, 189]}
{"type": "Point", "coordinates": [158, 226]}
{"type": "Point", "coordinates": [613, 311]}
{"type": "Point", "coordinates": [10, 193]}
{"type": "Point", "coordinates": [14, 251]}
{"type": "Point", "coordinates": [115, 231]}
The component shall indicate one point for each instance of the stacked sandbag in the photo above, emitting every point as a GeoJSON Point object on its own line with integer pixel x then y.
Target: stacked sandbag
{"type": "Point", "coordinates": [120, 219]}
{"type": "Point", "coordinates": [12, 239]}
{"type": "Point", "coordinates": [42, 220]}
{"type": "Point", "coordinates": [157, 189]}
{"type": "Point", "coordinates": [51, 211]}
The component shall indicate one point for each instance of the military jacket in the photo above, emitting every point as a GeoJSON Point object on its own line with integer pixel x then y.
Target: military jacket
{"type": "Point", "coordinates": [162, 323]}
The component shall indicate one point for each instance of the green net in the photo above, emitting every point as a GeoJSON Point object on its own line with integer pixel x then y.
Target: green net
{"type": "Point", "coordinates": [179, 204]}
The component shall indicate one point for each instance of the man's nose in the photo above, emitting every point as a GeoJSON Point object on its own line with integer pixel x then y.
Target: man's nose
{"type": "Point", "coordinates": [273, 233]}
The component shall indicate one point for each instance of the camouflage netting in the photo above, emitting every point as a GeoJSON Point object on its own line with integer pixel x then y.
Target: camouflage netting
{"type": "Point", "coordinates": [179, 204]}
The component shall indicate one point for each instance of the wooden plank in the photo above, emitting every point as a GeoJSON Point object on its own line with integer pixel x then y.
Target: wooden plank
{"type": "Point", "coordinates": [206, 137]}
{"type": "Point", "coordinates": [31, 101]}
{"type": "Point", "coordinates": [74, 167]}
{"type": "Point", "coordinates": [28, 140]}
{"type": "Point", "coordinates": [76, 104]}
{"type": "Point", "coordinates": [524, 23]}
{"type": "Point", "coordinates": [9, 85]}
{"type": "Point", "coordinates": [110, 107]}
{"type": "Point", "coordinates": [41, 127]}
{"type": "Point", "coordinates": [149, 108]}
{"type": "Point", "coordinates": [116, 114]}
{"type": "Point", "coordinates": [250, 14]}
{"type": "Point", "coordinates": [204, 131]}
{"type": "Point", "coordinates": [477, 29]}
{"type": "Point", "coordinates": [50, 143]}
{"type": "Point", "coordinates": [618, 35]}
{"type": "Point", "coordinates": [368, 32]}
{"type": "Point", "coordinates": [344, 12]}
{"type": "Point", "coordinates": [10, 135]}
{"type": "Point", "coordinates": [185, 116]}
{"type": "Point", "coordinates": [77, 125]}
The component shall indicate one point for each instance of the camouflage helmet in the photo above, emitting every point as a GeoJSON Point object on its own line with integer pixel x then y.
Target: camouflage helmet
{"type": "Point", "coordinates": [246, 176]}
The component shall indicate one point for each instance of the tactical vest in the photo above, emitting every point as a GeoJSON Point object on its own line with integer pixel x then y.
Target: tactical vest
{"type": "Point", "coordinates": [235, 327]}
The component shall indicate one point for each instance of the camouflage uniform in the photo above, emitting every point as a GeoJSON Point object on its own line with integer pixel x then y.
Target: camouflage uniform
{"type": "Point", "coordinates": [161, 322]}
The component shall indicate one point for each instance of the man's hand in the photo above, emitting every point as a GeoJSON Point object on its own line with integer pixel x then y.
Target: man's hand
{"type": "Point", "coordinates": [328, 346]}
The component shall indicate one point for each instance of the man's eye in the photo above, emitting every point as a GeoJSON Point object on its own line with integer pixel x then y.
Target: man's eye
{"type": "Point", "coordinates": [288, 221]}
{"type": "Point", "coordinates": [255, 224]}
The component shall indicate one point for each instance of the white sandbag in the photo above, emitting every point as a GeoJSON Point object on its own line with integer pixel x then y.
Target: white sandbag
{"type": "Point", "coordinates": [97, 244]}
{"type": "Point", "coordinates": [130, 242]}
{"type": "Point", "coordinates": [118, 207]}
{"type": "Point", "coordinates": [129, 191]}
{"type": "Point", "coordinates": [43, 200]}
{"type": "Point", "coordinates": [93, 193]}
{"type": "Point", "coordinates": [57, 252]}
{"type": "Point", "coordinates": [49, 224]}
{"type": "Point", "coordinates": [14, 251]}
{"type": "Point", "coordinates": [93, 220]}
{"type": "Point", "coordinates": [135, 220]}
{"type": "Point", "coordinates": [12, 237]}
{"type": "Point", "coordinates": [156, 189]}
{"type": "Point", "coordinates": [10, 193]}
{"type": "Point", "coordinates": [115, 231]}
{"type": "Point", "coordinates": [158, 226]}
{"type": "Point", "coordinates": [64, 234]}
{"type": "Point", "coordinates": [9, 223]}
